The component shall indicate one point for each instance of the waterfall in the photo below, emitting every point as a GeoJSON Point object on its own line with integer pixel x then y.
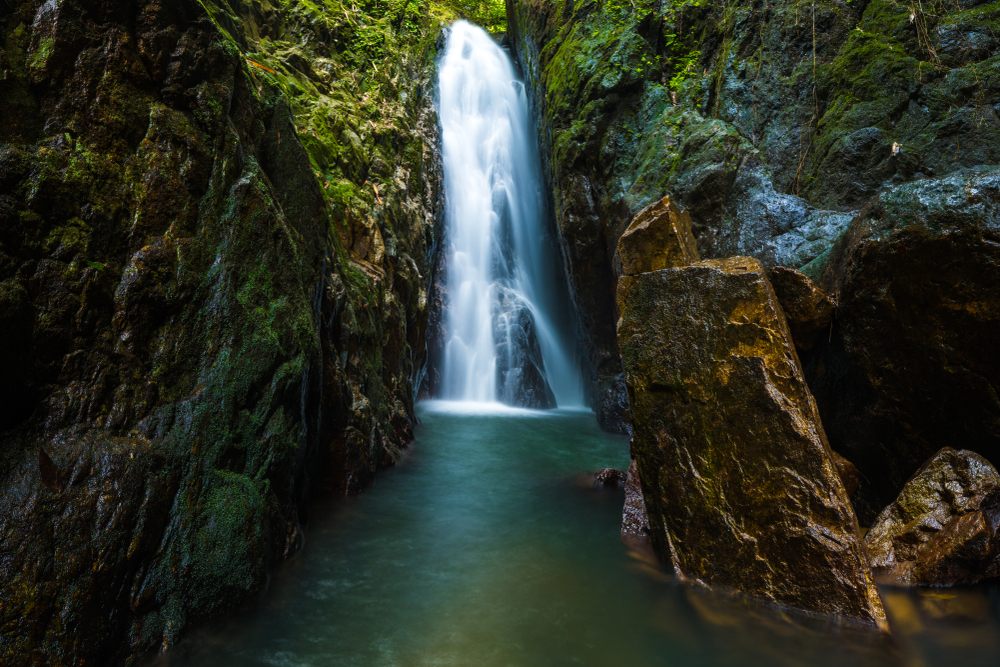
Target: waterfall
{"type": "Point", "coordinates": [508, 334]}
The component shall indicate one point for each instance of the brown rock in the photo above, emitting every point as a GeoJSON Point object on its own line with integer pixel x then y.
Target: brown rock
{"type": "Point", "coordinates": [634, 521]}
{"type": "Point", "coordinates": [659, 237]}
{"type": "Point", "coordinates": [942, 529]}
{"type": "Point", "coordinates": [807, 308]}
{"type": "Point", "coordinates": [848, 473]}
{"type": "Point", "coordinates": [741, 489]}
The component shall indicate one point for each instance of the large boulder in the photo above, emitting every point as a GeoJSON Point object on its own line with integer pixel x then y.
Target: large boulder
{"type": "Point", "coordinates": [911, 364]}
{"type": "Point", "coordinates": [942, 529]}
{"type": "Point", "coordinates": [740, 487]}
{"type": "Point", "coordinates": [659, 237]}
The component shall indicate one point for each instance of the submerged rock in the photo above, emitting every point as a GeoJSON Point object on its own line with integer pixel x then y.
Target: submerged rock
{"type": "Point", "coordinates": [911, 364]}
{"type": "Point", "coordinates": [740, 487]}
{"type": "Point", "coordinates": [942, 529]}
{"type": "Point", "coordinates": [808, 309]}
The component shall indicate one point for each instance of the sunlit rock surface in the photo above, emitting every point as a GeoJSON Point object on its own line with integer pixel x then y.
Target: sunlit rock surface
{"type": "Point", "coordinates": [659, 237]}
{"type": "Point", "coordinates": [942, 529]}
{"type": "Point", "coordinates": [740, 488]}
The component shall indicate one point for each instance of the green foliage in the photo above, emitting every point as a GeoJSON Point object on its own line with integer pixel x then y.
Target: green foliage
{"type": "Point", "coordinates": [490, 14]}
{"type": "Point", "coordinates": [682, 54]}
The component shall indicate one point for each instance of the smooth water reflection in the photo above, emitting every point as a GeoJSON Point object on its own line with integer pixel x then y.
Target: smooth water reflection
{"type": "Point", "coordinates": [480, 549]}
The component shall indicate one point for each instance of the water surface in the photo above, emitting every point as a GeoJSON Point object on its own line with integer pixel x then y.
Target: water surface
{"type": "Point", "coordinates": [480, 548]}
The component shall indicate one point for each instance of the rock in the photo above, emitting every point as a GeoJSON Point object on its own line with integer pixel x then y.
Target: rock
{"type": "Point", "coordinates": [607, 478]}
{"type": "Point", "coordinates": [520, 371]}
{"type": "Point", "coordinates": [911, 364]}
{"type": "Point", "coordinates": [847, 472]}
{"type": "Point", "coordinates": [16, 328]}
{"type": "Point", "coordinates": [659, 237]}
{"type": "Point", "coordinates": [942, 529]}
{"type": "Point", "coordinates": [740, 486]}
{"type": "Point", "coordinates": [807, 308]}
{"type": "Point", "coordinates": [735, 140]}
{"type": "Point", "coordinates": [635, 524]}
{"type": "Point", "coordinates": [190, 354]}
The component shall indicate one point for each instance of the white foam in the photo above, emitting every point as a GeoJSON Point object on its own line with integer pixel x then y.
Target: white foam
{"type": "Point", "coordinates": [493, 182]}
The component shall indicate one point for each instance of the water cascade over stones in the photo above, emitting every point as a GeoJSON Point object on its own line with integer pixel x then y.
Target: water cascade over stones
{"type": "Point", "coordinates": [507, 326]}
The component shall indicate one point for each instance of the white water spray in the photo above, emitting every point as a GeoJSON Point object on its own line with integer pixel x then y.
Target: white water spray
{"type": "Point", "coordinates": [503, 271]}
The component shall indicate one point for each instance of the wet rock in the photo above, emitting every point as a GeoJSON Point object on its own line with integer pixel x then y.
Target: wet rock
{"type": "Point", "coordinates": [741, 490]}
{"type": "Point", "coordinates": [193, 353]}
{"type": "Point", "coordinates": [807, 308]}
{"type": "Point", "coordinates": [847, 472]}
{"type": "Point", "coordinates": [659, 237]}
{"type": "Point", "coordinates": [635, 524]}
{"type": "Point", "coordinates": [607, 478]}
{"type": "Point", "coordinates": [611, 400]}
{"type": "Point", "coordinates": [942, 529]}
{"type": "Point", "coordinates": [520, 371]}
{"type": "Point", "coordinates": [771, 139]}
{"type": "Point", "coordinates": [911, 362]}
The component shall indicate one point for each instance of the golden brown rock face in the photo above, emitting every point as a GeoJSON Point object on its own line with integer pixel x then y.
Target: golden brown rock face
{"type": "Point", "coordinates": [659, 237]}
{"type": "Point", "coordinates": [942, 529]}
{"type": "Point", "coordinates": [740, 488]}
{"type": "Point", "coordinates": [807, 308]}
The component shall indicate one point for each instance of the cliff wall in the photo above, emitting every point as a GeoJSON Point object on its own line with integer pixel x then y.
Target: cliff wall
{"type": "Point", "coordinates": [217, 224]}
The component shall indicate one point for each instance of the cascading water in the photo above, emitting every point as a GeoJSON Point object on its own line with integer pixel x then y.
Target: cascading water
{"type": "Point", "coordinates": [507, 322]}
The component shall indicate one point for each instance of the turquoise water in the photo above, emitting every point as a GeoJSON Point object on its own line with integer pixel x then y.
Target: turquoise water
{"type": "Point", "coordinates": [482, 548]}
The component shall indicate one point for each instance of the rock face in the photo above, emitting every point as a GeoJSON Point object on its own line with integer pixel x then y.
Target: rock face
{"type": "Point", "coordinates": [659, 237]}
{"type": "Point", "coordinates": [740, 488]}
{"type": "Point", "coordinates": [213, 261]}
{"type": "Point", "coordinates": [771, 123]}
{"type": "Point", "coordinates": [942, 529]}
{"type": "Point", "coordinates": [911, 364]}
{"type": "Point", "coordinates": [808, 309]}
